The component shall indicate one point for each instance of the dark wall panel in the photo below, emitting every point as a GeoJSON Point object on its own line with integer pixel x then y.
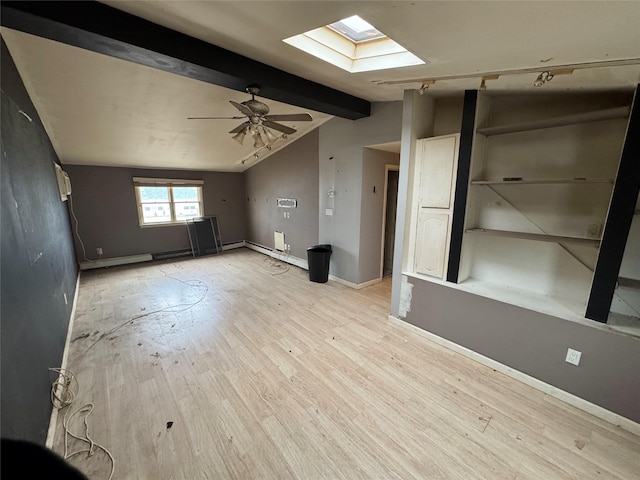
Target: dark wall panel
{"type": "Point", "coordinates": [535, 344]}
{"type": "Point", "coordinates": [38, 267]}
{"type": "Point", "coordinates": [462, 183]}
{"type": "Point", "coordinates": [293, 172]}
{"type": "Point", "coordinates": [104, 202]}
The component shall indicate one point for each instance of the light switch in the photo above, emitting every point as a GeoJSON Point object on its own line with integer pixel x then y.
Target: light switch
{"type": "Point", "coordinates": [328, 212]}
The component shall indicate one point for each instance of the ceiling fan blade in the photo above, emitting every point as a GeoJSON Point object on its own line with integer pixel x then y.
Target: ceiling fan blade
{"type": "Point", "coordinates": [242, 108]}
{"type": "Point", "coordinates": [279, 127]}
{"type": "Point", "coordinates": [215, 118]}
{"type": "Point", "coordinates": [240, 127]}
{"type": "Point", "coordinates": [293, 117]}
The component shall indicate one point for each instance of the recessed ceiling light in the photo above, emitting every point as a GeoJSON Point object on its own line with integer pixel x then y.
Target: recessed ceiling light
{"type": "Point", "coordinates": [354, 45]}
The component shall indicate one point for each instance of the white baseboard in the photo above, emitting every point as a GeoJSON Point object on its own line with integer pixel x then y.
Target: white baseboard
{"type": "Point", "coordinates": [53, 421]}
{"type": "Point", "coordinates": [369, 283]}
{"type": "Point", "coordinates": [569, 398]}
{"type": "Point", "coordinates": [283, 257]}
{"type": "Point", "coordinates": [342, 281]}
{"type": "Point", "coordinates": [356, 286]}
{"type": "Point", "coordinates": [112, 262]}
{"type": "Point", "coordinates": [231, 246]}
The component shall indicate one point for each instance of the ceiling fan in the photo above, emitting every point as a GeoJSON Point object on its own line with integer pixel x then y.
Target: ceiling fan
{"type": "Point", "coordinates": [258, 121]}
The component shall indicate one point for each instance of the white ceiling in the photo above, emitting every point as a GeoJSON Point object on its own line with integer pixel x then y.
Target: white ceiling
{"type": "Point", "coordinates": [100, 110]}
{"type": "Point", "coordinates": [105, 111]}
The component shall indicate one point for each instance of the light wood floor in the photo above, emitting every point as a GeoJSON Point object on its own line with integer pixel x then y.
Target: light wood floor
{"type": "Point", "coordinates": [271, 376]}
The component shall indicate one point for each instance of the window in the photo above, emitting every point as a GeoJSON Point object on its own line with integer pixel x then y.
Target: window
{"type": "Point", "coordinates": [164, 201]}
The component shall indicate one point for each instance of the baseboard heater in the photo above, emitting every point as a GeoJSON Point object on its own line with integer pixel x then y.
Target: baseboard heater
{"type": "Point", "coordinates": [171, 254]}
{"type": "Point", "coordinates": [115, 261]}
{"type": "Point", "coordinates": [147, 257]}
{"type": "Point", "coordinates": [298, 262]}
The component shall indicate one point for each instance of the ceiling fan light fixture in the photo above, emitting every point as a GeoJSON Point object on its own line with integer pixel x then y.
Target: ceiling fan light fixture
{"type": "Point", "coordinates": [256, 120]}
{"type": "Point", "coordinates": [259, 143]}
{"type": "Point", "coordinates": [270, 136]}
{"type": "Point", "coordinates": [239, 137]}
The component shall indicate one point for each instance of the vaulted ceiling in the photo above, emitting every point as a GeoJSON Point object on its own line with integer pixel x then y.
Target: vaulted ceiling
{"type": "Point", "coordinates": [117, 90]}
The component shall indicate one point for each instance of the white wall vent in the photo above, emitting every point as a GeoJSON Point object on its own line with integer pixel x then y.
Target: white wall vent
{"type": "Point", "coordinates": [64, 183]}
{"type": "Point", "coordinates": [278, 238]}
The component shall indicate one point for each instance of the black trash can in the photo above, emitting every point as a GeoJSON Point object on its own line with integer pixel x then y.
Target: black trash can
{"type": "Point", "coordinates": [318, 257]}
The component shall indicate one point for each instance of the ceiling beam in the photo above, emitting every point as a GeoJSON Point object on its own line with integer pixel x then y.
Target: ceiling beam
{"type": "Point", "coordinates": [104, 29]}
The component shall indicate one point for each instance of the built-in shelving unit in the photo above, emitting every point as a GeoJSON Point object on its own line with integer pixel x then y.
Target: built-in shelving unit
{"type": "Point", "coordinates": [532, 208]}
{"type": "Point", "coordinates": [541, 178]}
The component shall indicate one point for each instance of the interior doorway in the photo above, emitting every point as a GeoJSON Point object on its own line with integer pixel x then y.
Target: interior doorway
{"type": "Point", "coordinates": [389, 219]}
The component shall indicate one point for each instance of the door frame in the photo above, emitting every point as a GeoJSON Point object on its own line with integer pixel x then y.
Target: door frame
{"type": "Point", "coordinates": [387, 168]}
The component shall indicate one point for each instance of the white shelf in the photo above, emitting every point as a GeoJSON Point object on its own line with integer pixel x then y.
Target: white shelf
{"type": "Point", "coordinates": [542, 181]}
{"type": "Point", "coordinates": [559, 307]}
{"type": "Point", "coordinates": [594, 116]}
{"type": "Point", "coordinates": [630, 283]}
{"type": "Point", "coordinates": [536, 236]}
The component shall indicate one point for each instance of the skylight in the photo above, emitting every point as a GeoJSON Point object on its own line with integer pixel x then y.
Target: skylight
{"type": "Point", "coordinates": [354, 45]}
{"type": "Point", "coordinates": [356, 29]}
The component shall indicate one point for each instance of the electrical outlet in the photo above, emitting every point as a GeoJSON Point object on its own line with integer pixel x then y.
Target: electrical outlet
{"type": "Point", "coordinates": [99, 251]}
{"type": "Point", "coordinates": [593, 230]}
{"type": "Point", "coordinates": [573, 357]}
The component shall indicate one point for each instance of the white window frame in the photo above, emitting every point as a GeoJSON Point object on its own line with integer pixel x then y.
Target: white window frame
{"type": "Point", "coordinates": [169, 183]}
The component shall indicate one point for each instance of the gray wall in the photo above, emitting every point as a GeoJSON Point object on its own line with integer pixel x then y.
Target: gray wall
{"type": "Point", "coordinates": [341, 169]}
{"type": "Point", "coordinates": [105, 204]}
{"type": "Point", "coordinates": [290, 173]}
{"type": "Point", "coordinates": [372, 209]}
{"type": "Point", "coordinates": [38, 265]}
{"type": "Point", "coordinates": [448, 115]}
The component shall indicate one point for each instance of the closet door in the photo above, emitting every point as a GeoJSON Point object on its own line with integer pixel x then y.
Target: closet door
{"type": "Point", "coordinates": [436, 163]}
{"type": "Point", "coordinates": [437, 160]}
{"type": "Point", "coordinates": [431, 243]}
